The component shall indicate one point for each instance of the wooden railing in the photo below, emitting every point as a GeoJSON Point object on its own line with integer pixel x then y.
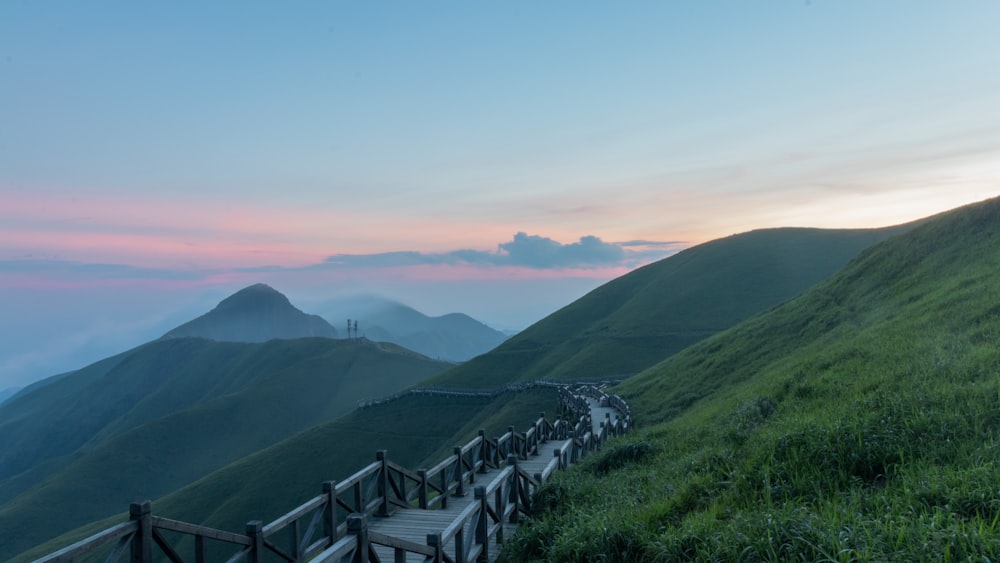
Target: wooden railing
{"type": "Point", "coordinates": [333, 526]}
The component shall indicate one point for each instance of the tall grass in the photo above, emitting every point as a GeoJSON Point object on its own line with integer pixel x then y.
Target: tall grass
{"type": "Point", "coordinates": [859, 422]}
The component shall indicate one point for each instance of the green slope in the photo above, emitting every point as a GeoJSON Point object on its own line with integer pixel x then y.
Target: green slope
{"type": "Point", "coordinates": [624, 326]}
{"type": "Point", "coordinates": [177, 409]}
{"type": "Point", "coordinates": [859, 421]}
{"type": "Point", "coordinates": [645, 316]}
{"type": "Point", "coordinates": [417, 430]}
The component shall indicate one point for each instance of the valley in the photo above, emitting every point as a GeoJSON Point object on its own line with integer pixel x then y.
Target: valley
{"type": "Point", "coordinates": [768, 368]}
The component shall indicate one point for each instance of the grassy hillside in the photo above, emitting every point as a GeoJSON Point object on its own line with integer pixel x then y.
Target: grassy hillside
{"type": "Point", "coordinates": [277, 479]}
{"type": "Point", "coordinates": [647, 315]}
{"type": "Point", "coordinates": [257, 313]}
{"type": "Point", "coordinates": [620, 328]}
{"type": "Point", "coordinates": [175, 410]}
{"type": "Point", "coordinates": [859, 421]}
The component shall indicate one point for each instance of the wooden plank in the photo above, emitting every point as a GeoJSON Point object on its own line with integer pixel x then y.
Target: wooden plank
{"type": "Point", "coordinates": [336, 552]}
{"type": "Point", "coordinates": [394, 542]}
{"type": "Point", "coordinates": [472, 444]}
{"type": "Point", "coordinates": [195, 530]}
{"type": "Point", "coordinates": [296, 513]}
{"type": "Point", "coordinates": [91, 543]}
{"type": "Point", "coordinates": [367, 471]}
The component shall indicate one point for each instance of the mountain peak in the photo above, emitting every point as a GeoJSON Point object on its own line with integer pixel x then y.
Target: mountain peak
{"type": "Point", "coordinates": [256, 295]}
{"type": "Point", "coordinates": [256, 313]}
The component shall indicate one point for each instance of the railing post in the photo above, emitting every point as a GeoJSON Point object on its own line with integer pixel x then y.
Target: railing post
{"type": "Point", "coordinates": [330, 511]}
{"type": "Point", "coordinates": [360, 502]}
{"type": "Point", "coordinates": [255, 529]}
{"type": "Point", "coordinates": [357, 526]}
{"type": "Point", "coordinates": [544, 437]}
{"type": "Point", "coordinates": [383, 483]}
{"type": "Point", "coordinates": [434, 541]}
{"type": "Point", "coordinates": [484, 451]}
{"type": "Point", "coordinates": [444, 490]}
{"type": "Point", "coordinates": [142, 542]}
{"type": "Point", "coordinates": [459, 472]}
{"type": "Point", "coordinates": [460, 545]}
{"type": "Point", "coordinates": [200, 553]}
{"type": "Point", "coordinates": [558, 455]}
{"type": "Point", "coordinates": [499, 506]}
{"type": "Point", "coordinates": [483, 525]}
{"type": "Point", "coordinates": [515, 488]}
{"type": "Point", "coordinates": [422, 488]}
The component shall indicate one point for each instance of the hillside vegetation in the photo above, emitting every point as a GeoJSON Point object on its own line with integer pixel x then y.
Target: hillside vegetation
{"type": "Point", "coordinates": [635, 321]}
{"type": "Point", "coordinates": [856, 422]}
{"type": "Point", "coordinates": [146, 422]}
{"type": "Point", "coordinates": [417, 431]}
{"type": "Point", "coordinates": [625, 326]}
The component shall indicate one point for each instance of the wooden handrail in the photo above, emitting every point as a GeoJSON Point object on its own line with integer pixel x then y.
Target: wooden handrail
{"type": "Point", "coordinates": [92, 543]}
{"type": "Point", "coordinates": [382, 487]}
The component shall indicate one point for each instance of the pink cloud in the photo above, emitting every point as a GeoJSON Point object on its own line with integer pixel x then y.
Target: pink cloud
{"type": "Point", "coordinates": [158, 232]}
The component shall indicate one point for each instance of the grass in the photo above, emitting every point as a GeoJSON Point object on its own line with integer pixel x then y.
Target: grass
{"type": "Point", "coordinates": [172, 412]}
{"type": "Point", "coordinates": [859, 422]}
{"type": "Point", "coordinates": [416, 430]}
{"type": "Point", "coordinates": [637, 320]}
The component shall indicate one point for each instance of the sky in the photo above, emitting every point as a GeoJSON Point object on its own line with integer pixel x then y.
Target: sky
{"type": "Point", "coordinates": [499, 159]}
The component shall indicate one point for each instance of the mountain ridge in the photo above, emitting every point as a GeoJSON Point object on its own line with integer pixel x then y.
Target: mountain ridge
{"type": "Point", "coordinates": [858, 421]}
{"type": "Point", "coordinates": [256, 313]}
{"type": "Point", "coordinates": [453, 337]}
{"type": "Point", "coordinates": [634, 321]}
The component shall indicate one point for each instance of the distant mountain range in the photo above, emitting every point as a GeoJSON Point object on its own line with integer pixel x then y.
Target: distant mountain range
{"type": "Point", "coordinates": [454, 337]}
{"type": "Point", "coordinates": [622, 327]}
{"type": "Point", "coordinates": [154, 418]}
{"type": "Point", "coordinates": [260, 313]}
{"type": "Point", "coordinates": [254, 314]}
{"type": "Point", "coordinates": [637, 320]}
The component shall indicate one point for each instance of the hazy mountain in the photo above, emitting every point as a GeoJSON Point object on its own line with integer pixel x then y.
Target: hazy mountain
{"type": "Point", "coordinates": [8, 393]}
{"type": "Point", "coordinates": [633, 322]}
{"type": "Point", "coordinates": [453, 337]}
{"type": "Point", "coordinates": [161, 415]}
{"type": "Point", "coordinates": [628, 324]}
{"type": "Point", "coordinates": [257, 313]}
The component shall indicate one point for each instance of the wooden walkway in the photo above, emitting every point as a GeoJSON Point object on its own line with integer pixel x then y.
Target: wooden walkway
{"type": "Point", "coordinates": [458, 511]}
{"type": "Point", "coordinates": [415, 525]}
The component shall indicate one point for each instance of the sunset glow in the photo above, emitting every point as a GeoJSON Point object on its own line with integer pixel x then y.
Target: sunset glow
{"type": "Point", "coordinates": [493, 160]}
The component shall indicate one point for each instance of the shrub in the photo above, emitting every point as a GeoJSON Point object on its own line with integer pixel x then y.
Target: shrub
{"type": "Point", "coordinates": [622, 455]}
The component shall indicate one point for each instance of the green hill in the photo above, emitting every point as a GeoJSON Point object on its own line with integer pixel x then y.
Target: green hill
{"type": "Point", "coordinates": [634, 321]}
{"type": "Point", "coordinates": [163, 415]}
{"type": "Point", "coordinates": [622, 327]}
{"type": "Point", "coordinates": [858, 422]}
{"type": "Point", "coordinates": [257, 313]}
{"type": "Point", "coordinates": [417, 430]}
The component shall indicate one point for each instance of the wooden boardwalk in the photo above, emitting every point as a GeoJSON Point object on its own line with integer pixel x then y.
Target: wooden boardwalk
{"type": "Point", "coordinates": [415, 525]}
{"type": "Point", "coordinates": [458, 511]}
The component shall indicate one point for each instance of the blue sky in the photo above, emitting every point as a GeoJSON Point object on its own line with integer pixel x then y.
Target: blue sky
{"type": "Point", "coordinates": [499, 159]}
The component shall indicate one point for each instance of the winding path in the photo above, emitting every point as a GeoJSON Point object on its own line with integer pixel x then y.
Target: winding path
{"type": "Point", "coordinates": [457, 511]}
{"type": "Point", "coordinates": [414, 524]}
